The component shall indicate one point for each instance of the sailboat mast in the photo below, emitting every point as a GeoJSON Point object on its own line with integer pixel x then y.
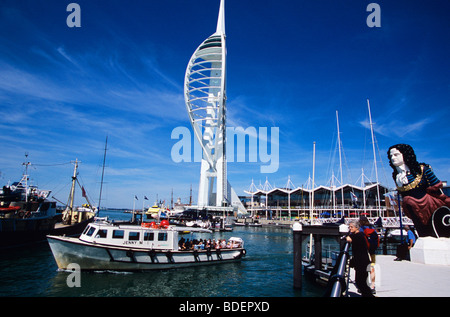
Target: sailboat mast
{"type": "Point", "coordinates": [374, 160]}
{"type": "Point", "coordinates": [312, 191]}
{"type": "Point", "coordinates": [363, 186]}
{"type": "Point", "coordinates": [340, 162]}
{"type": "Point", "coordinates": [103, 174]}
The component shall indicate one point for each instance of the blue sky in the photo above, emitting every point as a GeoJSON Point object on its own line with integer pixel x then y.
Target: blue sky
{"type": "Point", "coordinates": [291, 65]}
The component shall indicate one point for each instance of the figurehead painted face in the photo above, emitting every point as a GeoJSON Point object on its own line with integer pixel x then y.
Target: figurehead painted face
{"type": "Point", "coordinates": [396, 157]}
{"type": "Point", "coordinates": [403, 154]}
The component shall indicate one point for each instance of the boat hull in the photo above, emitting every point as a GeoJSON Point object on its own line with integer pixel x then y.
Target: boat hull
{"type": "Point", "coordinates": [18, 231]}
{"type": "Point", "coordinates": [88, 256]}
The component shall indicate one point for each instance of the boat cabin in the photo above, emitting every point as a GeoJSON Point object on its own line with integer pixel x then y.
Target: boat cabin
{"type": "Point", "coordinates": [127, 235]}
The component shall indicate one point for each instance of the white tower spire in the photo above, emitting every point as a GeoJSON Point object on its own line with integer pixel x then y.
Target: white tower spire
{"type": "Point", "coordinates": [221, 19]}
{"type": "Point", "coordinates": [205, 97]}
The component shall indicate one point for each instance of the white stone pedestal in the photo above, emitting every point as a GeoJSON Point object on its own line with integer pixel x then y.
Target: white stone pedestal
{"type": "Point", "coordinates": [429, 250]}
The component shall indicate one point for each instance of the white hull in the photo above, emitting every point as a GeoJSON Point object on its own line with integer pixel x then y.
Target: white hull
{"type": "Point", "coordinates": [89, 256]}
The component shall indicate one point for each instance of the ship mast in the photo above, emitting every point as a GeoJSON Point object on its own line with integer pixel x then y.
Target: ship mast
{"type": "Point", "coordinates": [72, 190]}
{"type": "Point", "coordinates": [374, 161]}
{"type": "Point", "coordinates": [103, 173]}
{"type": "Point", "coordinates": [340, 161]}
{"type": "Point", "coordinates": [312, 190]}
{"type": "Point", "coordinates": [25, 176]}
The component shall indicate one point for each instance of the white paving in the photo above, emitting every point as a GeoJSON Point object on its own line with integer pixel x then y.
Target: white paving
{"type": "Point", "coordinates": [408, 279]}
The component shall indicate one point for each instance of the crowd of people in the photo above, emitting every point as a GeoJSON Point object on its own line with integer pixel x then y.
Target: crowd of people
{"type": "Point", "coordinates": [205, 244]}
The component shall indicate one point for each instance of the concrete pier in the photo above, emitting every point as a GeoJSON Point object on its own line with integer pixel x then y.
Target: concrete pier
{"type": "Point", "coordinates": [407, 279]}
{"type": "Point", "coordinates": [302, 232]}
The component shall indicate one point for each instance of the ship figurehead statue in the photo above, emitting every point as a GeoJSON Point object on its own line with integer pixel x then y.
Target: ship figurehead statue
{"type": "Point", "coordinates": [423, 199]}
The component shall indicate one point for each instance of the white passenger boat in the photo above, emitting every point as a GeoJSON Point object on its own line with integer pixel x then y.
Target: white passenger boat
{"type": "Point", "coordinates": [126, 247]}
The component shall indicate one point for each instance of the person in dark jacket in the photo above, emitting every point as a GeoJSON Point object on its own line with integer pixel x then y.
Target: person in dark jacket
{"type": "Point", "coordinates": [361, 259]}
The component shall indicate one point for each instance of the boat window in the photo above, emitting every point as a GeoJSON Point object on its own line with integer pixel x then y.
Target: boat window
{"type": "Point", "coordinates": [133, 236]}
{"type": "Point", "coordinates": [101, 233]}
{"type": "Point", "coordinates": [118, 234]}
{"type": "Point", "coordinates": [149, 236]}
{"type": "Point", "coordinates": [85, 230]}
{"type": "Point", "coordinates": [162, 236]}
{"type": "Point", "coordinates": [90, 231]}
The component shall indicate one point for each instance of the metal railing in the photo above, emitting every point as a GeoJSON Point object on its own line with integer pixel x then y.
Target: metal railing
{"type": "Point", "coordinates": [337, 277]}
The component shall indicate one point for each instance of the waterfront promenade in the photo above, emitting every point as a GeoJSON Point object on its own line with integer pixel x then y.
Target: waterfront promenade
{"type": "Point", "coordinates": [408, 279]}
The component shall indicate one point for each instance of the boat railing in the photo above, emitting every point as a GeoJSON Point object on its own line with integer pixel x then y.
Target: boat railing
{"type": "Point", "coordinates": [101, 219]}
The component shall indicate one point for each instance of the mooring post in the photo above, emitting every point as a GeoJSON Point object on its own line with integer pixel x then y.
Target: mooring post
{"type": "Point", "coordinates": [297, 232]}
{"type": "Point", "coordinates": [318, 251]}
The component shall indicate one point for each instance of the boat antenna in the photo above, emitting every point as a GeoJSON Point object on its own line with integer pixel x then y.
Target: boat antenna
{"type": "Point", "coordinates": [103, 174]}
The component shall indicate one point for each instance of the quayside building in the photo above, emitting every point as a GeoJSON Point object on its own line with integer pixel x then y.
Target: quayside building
{"type": "Point", "coordinates": [372, 200]}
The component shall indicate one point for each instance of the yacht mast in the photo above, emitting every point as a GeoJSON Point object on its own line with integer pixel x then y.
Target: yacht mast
{"type": "Point", "coordinates": [312, 190]}
{"type": "Point", "coordinates": [340, 162]}
{"type": "Point", "coordinates": [374, 161]}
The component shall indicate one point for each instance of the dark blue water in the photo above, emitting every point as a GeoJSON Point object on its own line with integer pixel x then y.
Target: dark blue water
{"type": "Point", "coordinates": [266, 271]}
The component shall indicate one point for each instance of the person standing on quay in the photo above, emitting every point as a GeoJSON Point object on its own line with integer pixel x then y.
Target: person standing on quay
{"type": "Point", "coordinates": [361, 258]}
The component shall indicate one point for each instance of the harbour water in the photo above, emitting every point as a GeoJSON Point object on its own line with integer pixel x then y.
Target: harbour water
{"type": "Point", "coordinates": [266, 271]}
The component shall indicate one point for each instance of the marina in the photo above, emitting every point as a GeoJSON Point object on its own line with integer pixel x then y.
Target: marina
{"type": "Point", "coordinates": [288, 242]}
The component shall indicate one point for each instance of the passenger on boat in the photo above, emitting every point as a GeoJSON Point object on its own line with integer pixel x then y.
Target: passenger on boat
{"type": "Point", "coordinates": [200, 245]}
{"type": "Point", "coordinates": [181, 243]}
{"type": "Point", "coordinates": [233, 244]}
